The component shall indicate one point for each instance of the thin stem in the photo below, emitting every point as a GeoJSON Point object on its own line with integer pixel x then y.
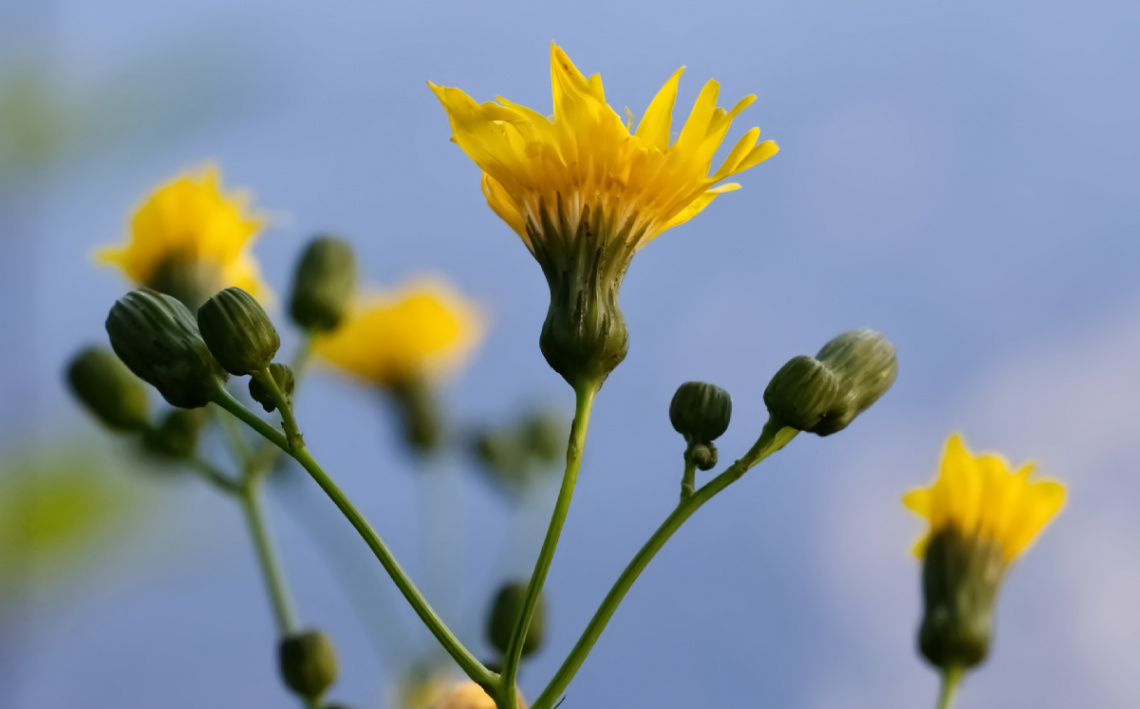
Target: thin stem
{"type": "Point", "coordinates": [462, 656]}
{"type": "Point", "coordinates": [584, 401]}
{"type": "Point", "coordinates": [689, 481]}
{"type": "Point", "coordinates": [214, 476]}
{"type": "Point", "coordinates": [951, 678]}
{"type": "Point", "coordinates": [288, 421]}
{"type": "Point", "coordinates": [774, 437]}
{"type": "Point", "coordinates": [268, 559]}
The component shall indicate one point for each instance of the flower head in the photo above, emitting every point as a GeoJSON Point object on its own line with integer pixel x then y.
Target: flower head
{"type": "Point", "coordinates": [190, 239]}
{"type": "Point", "coordinates": [584, 192]}
{"type": "Point", "coordinates": [982, 516]}
{"type": "Point", "coordinates": [404, 342]}
{"type": "Point", "coordinates": [425, 329]}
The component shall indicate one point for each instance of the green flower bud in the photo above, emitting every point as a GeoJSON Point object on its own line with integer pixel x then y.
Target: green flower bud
{"type": "Point", "coordinates": [283, 377]}
{"type": "Point", "coordinates": [700, 412]}
{"type": "Point", "coordinates": [104, 385]}
{"type": "Point", "coordinates": [864, 363]}
{"type": "Point", "coordinates": [176, 436]}
{"type": "Point", "coordinates": [323, 285]}
{"type": "Point", "coordinates": [419, 414]}
{"type": "Point", "coordinates": [238, 331]}
{"type": "Point", "coordinates": [308, 663]}
{"type": "Point", "coordinates": [505, 613]}
{"type": "Point", "coordinates": [157, 338]}
{"type": "Point", "coordinates": [960, 580]}
{"type": "Point", "coordinates": [703, 455]}
{"type": "Point", "coordinates": [544, 435]}
{"type": "Point", "coordinates": [190, 280]}
{"type": "Point", "coordinates": [503, 456]}
{"type": "Point", "coordinates": [801, 393]}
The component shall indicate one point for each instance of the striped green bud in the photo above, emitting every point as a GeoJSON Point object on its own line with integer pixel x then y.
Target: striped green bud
{"type": "Point", "coordinates": [801, 393]}
{"type": "Point", "coordinates": [156, 336]}
{"type": "Point", "coordinates": [238, 331]}
{"type": "Point", "coordinates": [323, 285]}
{"type": "Point", "coordinates": [865, 365]}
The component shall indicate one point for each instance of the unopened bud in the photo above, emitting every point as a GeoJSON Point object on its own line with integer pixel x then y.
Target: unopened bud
{"type": "Point", "coordinates": [864, 363]}
{"type": "Point", "coordinates": [282, 377]}
{"type": "Point", "coordinates": [801, 393]}
{"type": "Point", "coordinates": [960, 579]}
{"type": "Point", "coordinates": [238, 331]}
{"type": "Point", "coordinates": [323, 285]}
{"type": "Point", "coordinates": [703, 455]}
{"type": "Point", "coordinates": [503, 456]}
{"type": "Point", "coordinates": [308, 663]}
{"type": "Point", "coordinates": [176, 436]}
{"type": "Point", "coordinates": [504, 614]}
{"type": "Point", "coordinates": [700, 412]}
{"type": "Point", "coordinates": [156, 336]}
{"type": "Point", "coordinates": [105, 386]}
{"type": "Point", "coordinates": [544, 435]}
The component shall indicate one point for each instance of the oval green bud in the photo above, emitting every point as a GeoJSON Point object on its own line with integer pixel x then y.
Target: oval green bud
{"type": "Point", "coordinates": [104, 385]}
{"type": "Point", "coordinates": [283, 377]}
{"type": "Point", "coordinates": [308, 663]}
{"type": "Point", "coordinates": [961, 576]}
{"type": "Point", "coordinates": [700, 412]}
{"type": "Point", "coordinates": [323, 284]}
{"type": "Point", "coordinates": [238, 331]}
{"type": "Point", "coordinates": [176, 436]}
{"type": "Point", "coordinates": [504, 614]}
{"type": "Point", "coordinates": [864, 363]}
{"type": "Point", "coordinates": [801, 393]}
{"type": "Point", "coordinates": [544, 435]}
{"type": "Point", "coordinates": [157, 338]}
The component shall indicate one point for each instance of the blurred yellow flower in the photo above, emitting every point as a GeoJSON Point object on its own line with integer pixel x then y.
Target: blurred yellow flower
{"type": "Point", "coordinates": [190, 239]}
{"type": "Point", "coordinates": [585, 164]}
{"type": "Point", "coordinates": [980, 497]}
{"type": "Point", "coordinates": [425, 329]}
{"type": "Point", "coordinates": [468, 695]}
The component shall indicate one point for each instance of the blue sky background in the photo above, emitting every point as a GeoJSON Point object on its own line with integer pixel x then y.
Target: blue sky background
{"type": "Point", "coordinates": [961, 177]}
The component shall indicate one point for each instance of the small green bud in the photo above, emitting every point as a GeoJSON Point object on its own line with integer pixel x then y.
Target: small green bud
{"type": "Point", "coordinates": [703, 455]}
{"type": "Point", "coordinates": [801, 393]}
{"type": "Point", "coordinates": [282, 376]}
{"type": "Point", "coordinates": [502, 455]}
{"type": "Point", "coordinates": [308, 663]}
{"type": "Point", "coordinates": [104, 385]}
{"type": "Point", "coordinates": [505, 613]}
{"type": "Point", "coordinates": [419, 414]}
{"type": "Point", "coordinates": [544, 435]}
{"type": "Point", "coordinates": [238, 331]}
{"type": "Point", "coordinates": [157, 338]}
{"type": "Point", "coordinates": [700, 412]}
{"type": "Point", "coordinates": [176, 436]}
{"type": "Point", "coordinates": [323, 285]}
{"type": "Point", "coordinates": [960, 580]}
{"type": "Point", "coordinates": [864, 363]}
{"type": "Point", "coordinates": [189, 280]}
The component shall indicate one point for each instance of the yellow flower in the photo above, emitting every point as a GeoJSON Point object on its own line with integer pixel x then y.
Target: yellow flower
{"type": "Point", "coordinates": [982, 516]}
{"type": "Point", "coordinates": [979, 497]}
{"type": "Point", "coordinates": [423, 330]}
{"type": "Point", "coordinates": [584, 193]}
{"type": "Point", "coordinates": [189, 239]}
{"type": "Point", "coordinates": [468, 695]}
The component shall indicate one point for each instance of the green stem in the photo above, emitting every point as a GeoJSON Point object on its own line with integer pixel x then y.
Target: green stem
{"type": "Point", "coordinates": [268, 559]}
{"type": "Point", "coordinates": [951, 678]}
{"type": "Point", "coordinates": [462, 656]}
{"type": "Point", "coordinates": [774, 437]}
{"type": "Point", "coordinates": [584, 400]}
{"type": "Point", "coordinates": [689, 481]}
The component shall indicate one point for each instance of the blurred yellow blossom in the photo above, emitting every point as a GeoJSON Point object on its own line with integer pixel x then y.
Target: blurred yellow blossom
{"type": "Point", "coordinates": [424, 329]}
{"type": "Point", "coordinates": [468, 695]}
{"type": "Point", "coordinates": [980, 497]}
{"type": "Point", "coordinates": [190, 239]}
